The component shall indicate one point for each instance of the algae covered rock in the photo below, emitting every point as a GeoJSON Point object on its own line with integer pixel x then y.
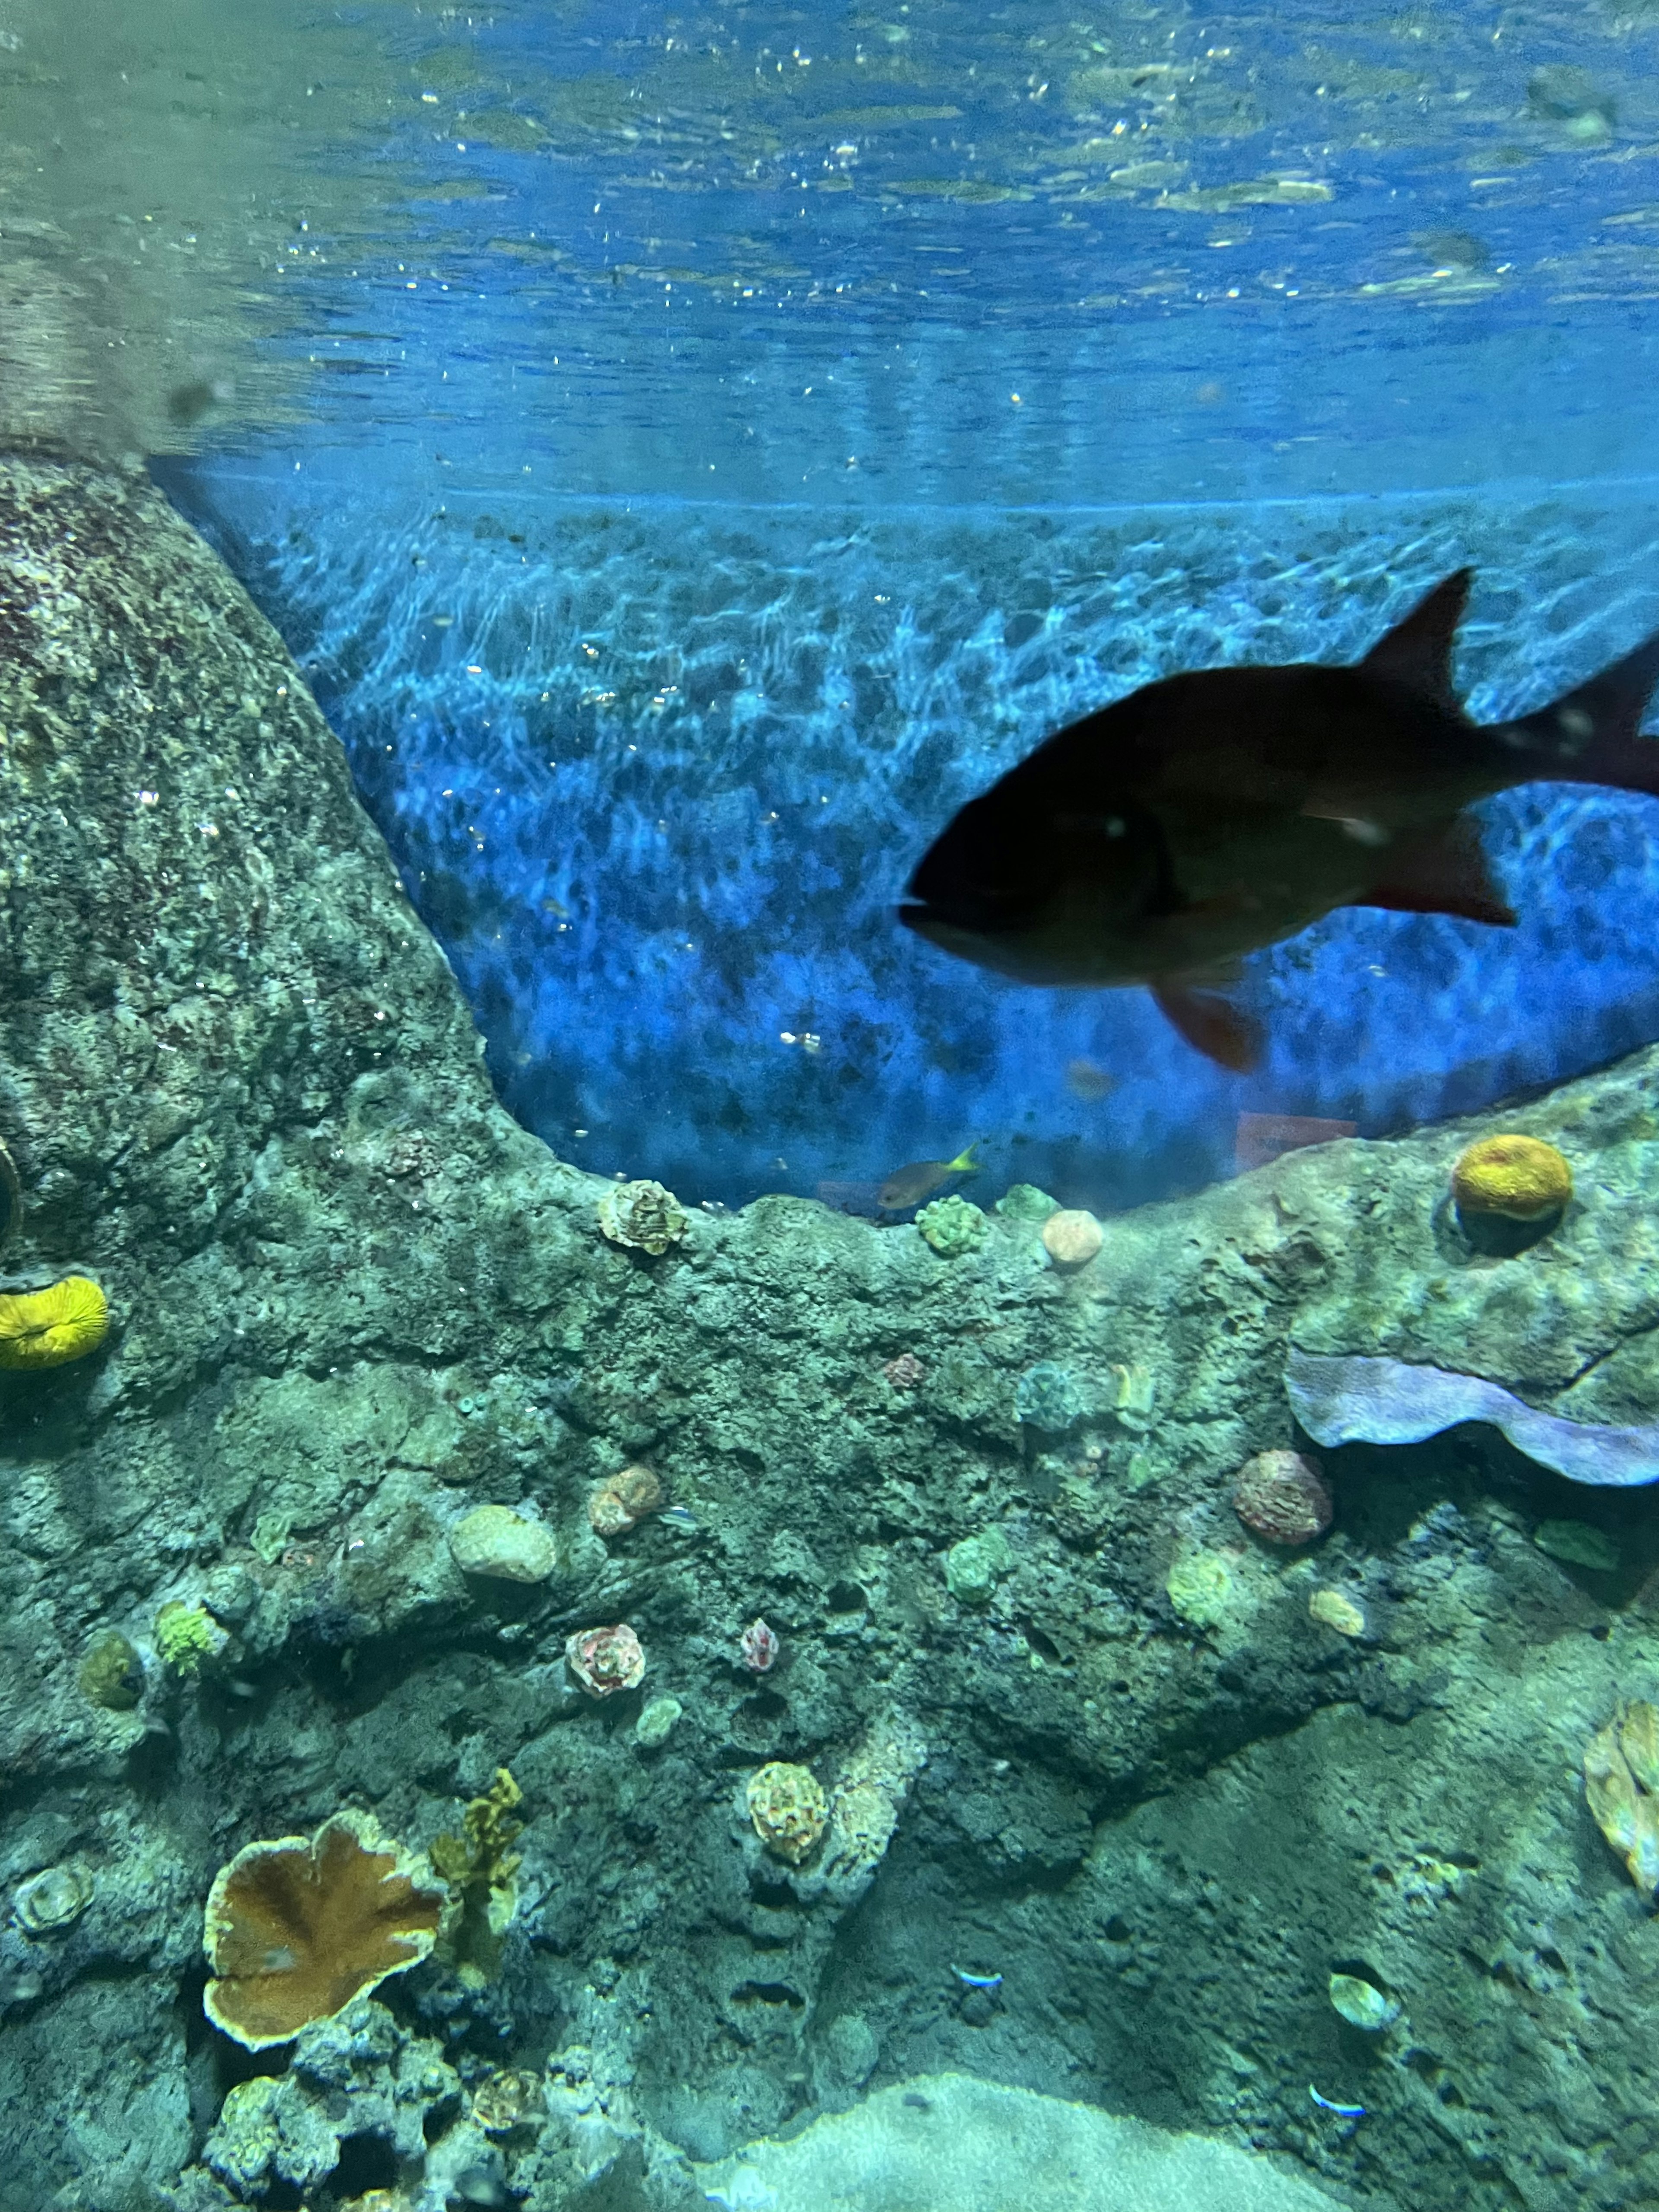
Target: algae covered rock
{"type": "Point", "coordinates": [974, 1567]}
{"type": "Point", "coordinates": [1047, 1396]}
{"type": "Point", "coordinates": [495, 1541]}
{"type": "Point", "coordinates": [112, 1674]}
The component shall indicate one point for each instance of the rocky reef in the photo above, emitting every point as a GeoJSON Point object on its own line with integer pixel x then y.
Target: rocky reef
{"type": "Point", "coordinates": [1108, 1787]}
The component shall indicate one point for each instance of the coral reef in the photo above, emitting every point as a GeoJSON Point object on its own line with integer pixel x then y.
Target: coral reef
{"type": "Point", "coordinates": [788, 1808]}
{"type": "Point", "coordinates": [1281, 1497]}
{"type": "Point", "coordinates": [356, 2074]}
{"type": "Point", "coordinates": [605, 1660]}
{"type": "Point", "coordinates": [492, 1541]}
{"type": "Point", "coordinates": [642, 1215]}
{"type": "Point", "coordinates": [953, 1227]}
{"type": "Point", "coordinates": [46, 1328]}
{"type": "Point", "coordinates": [298, 1928]}
{"type": "Point", "coordinates": [358, 1303]}
{"type": "Point", "coordinates": [1621, 1783]}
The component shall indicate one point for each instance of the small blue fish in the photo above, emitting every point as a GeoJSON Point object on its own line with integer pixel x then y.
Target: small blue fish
{"type": "Point", "coordinates": [1342, 2112]}
{"type": "Point", "coordinates": [978, 1981]}
{"type": "Point", "coordinates": [681, 1519]}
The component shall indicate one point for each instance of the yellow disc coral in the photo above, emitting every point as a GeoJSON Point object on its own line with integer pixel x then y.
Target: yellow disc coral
{"type": "Point", "coordinates": [1519, 1178]}
{"type": "Point", "coordinates": [44, 1328]}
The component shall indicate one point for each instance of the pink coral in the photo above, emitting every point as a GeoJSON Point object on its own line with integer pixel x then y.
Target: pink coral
{"type": "Point", "coordinates": [605, 1660]}
{"type": "Point", "coordinates": [905, 1372]}
{"type": "Point", "coordinates": [760, 1647]}
{"type": "Point", "coordinates": [1282, 1496]}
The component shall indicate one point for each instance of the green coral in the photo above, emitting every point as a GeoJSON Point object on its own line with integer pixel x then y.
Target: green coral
{"type": "Point", "coordinates": [478, 1867]}
{"type": "Point", "coordinates": [974, 1567]}
{"type": "Point", "coordinates": [1024, 1201]}
{"type": "Point", "coordinates": [112, 1674]}
{"type": "Point", "coordinates": [186, 1635]}
{"type": "Point", "coordinates": [952, 1226]}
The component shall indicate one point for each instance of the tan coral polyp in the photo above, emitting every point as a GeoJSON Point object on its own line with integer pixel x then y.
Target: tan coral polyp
{"type": "Point", "coordinates": [297, 1927]}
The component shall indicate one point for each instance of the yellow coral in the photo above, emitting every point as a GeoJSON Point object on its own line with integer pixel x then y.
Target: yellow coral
{"type": "Point", "coordinates": [1621, 1778]}
{"type": "Point", "coordinates": [44, 1328]}
{"type": "Point", "coordinates": [787, 1806]}
{"type": "Point", "coordinates": [1519, 1178]}
{"type": "Point", "coordinates": [479, 1866]}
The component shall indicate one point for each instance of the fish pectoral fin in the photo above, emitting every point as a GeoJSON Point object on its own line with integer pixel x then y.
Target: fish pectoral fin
{"type": "Point", "coordinates": [1418, 650]}
{"type": "Point", "coordinates": [1210, 1025]}
{"type": "Point", "coordinates": [1445, 874]}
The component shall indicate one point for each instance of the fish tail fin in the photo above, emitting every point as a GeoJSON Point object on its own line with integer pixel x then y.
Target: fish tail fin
{"type": "Point", "coordinates": [964, 1162]}
{"type": "Point", "coordinates": [1592, 734]}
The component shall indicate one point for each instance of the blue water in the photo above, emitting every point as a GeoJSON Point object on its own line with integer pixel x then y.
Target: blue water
{"type": "Point", "coordinates": [724, 475]}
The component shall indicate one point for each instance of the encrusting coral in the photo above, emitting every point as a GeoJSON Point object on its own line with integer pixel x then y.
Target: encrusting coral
{"type": "Point", "coordinates": [644, 1215]}
{"type": "Point", "coordinates": [112, 1674]}
{"type": "Point", "coordinates": [1621, 1781]}
{"type": "Point", "coordinates": [297, 1927]}
{"type": "Point", "coordinates": [479, 1866]}
{"type": "Point", "coordinates": [47, 1328]}
{"type": "Point", "coordinates": [788, 1808]}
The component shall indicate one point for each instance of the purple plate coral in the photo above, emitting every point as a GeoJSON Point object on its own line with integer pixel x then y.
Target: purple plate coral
{"type": "Point", "coordinates": [1390, 1401]}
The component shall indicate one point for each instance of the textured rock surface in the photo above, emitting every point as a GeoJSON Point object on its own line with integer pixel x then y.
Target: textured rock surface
{"type": "Point", "coordinates": [352, 1302]}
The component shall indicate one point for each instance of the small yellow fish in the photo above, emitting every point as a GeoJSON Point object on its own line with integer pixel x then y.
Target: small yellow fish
{"type": "Point", "coordinates": [907, 1187]}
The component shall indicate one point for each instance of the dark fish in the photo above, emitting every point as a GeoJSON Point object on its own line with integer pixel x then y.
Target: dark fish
{"type": "Point", "coordinates": [1159, 841]}
{"type": "Point", "coordinates": [907, 1187]}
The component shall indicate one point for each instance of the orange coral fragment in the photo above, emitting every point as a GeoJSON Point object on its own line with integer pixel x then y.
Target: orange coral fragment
{"type": "Point", "coordinates": [297, 1927]}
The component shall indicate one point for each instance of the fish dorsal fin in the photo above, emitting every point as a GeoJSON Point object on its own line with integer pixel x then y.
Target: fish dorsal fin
{"type": "Point", "coordinates": [1418, 650]}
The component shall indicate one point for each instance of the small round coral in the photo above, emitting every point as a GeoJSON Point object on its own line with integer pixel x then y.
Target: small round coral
{"type": "Point", "coordinates": [621, 1501]}
{"type": "Point", "coordinates": [605, 1660]}
{"type": "Point", "coordinates": [1516, 1178]}
{"type": "Point", "coordinates": [643, 1215]}
{"type": "Point", "coordinates": [1071, 1238]}
{"type": "Point", "coordinates": [1282, 1497]}
{"type": "Point", "coordinates": [788, 1808]}
{"type": "Point", "coordinates": [49, 1328]}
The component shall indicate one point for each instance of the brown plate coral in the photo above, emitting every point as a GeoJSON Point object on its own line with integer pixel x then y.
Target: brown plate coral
{"type": "Point", "coordinates": [297, 1927]}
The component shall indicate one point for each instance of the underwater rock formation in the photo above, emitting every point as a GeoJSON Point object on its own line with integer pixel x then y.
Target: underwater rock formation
{"type": "Point", "coordinates": [984, 1501]}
